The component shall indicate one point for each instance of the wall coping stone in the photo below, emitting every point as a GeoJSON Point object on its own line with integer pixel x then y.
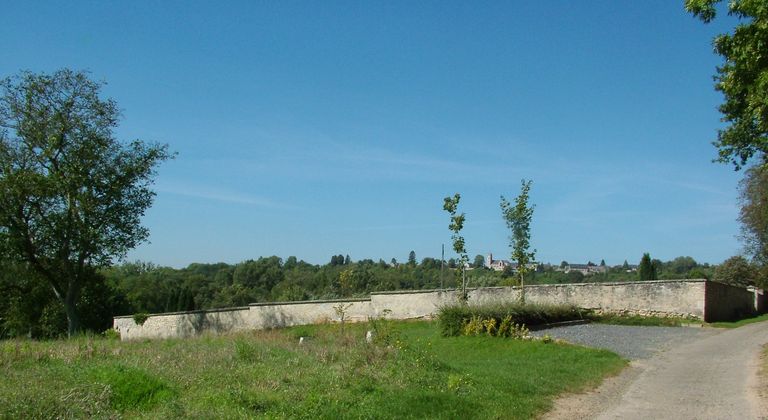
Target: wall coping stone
{"type": "Point", "coordinates": [612, 283]}
{"type": "Point", "coordinates": [199, 311]}
{"type": "Point", "coordinates": [410, 292]}
{"type": "Point", "coordinates": [306, 302]}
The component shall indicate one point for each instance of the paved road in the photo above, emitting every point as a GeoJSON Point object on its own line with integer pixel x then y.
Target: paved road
{"type": "Point", "coordinates": [713, 376]}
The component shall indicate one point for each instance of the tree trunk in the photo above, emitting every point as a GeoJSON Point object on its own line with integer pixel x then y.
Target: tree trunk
{"type": "Point", "coordinates": [73, 320]}
{"type": "Point", "coordinates": [70, 306]}
{"type": "Point", "coordinates": [522, 287]}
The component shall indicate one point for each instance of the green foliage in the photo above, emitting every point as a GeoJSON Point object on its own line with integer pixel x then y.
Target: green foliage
{"type": "Point", "coordinates": [753, 197]}
{"type": "Point", "coordinates": [479, 261]}
{"type": "Point", "coordinates": [451, 205]}
{"type": "Point", "coordinates": [736, 271]}
{"type": "Point", "coordinates": [131, 388]}
{"type": "Point", "coordinates": [646, 321]}
{"type": "Point", "coordinates": [742, 78]}
{"type": "Point", "coordinates": [647, 269]}
{"type": "Point", "coordinates": [457, 319]}
{"type": "Point", "coordinates": [140, 318]}
{"type": "Point", "coordinates": [492, 327]}
{"type": "Point", "coordinates": [73, 195]}
{"type": "Point", "coordinates": [518, 219]}
{"type": "Point", "coordinates": [697, 273]}
{"type": "Point", "coordinates": [246, 350]}
{"type": "Point", "coordinates": [682, 265]}
{"type": "Point", "coordinates": [30, 308]}
{"type": "Point", "coordinates": [384, 331]}
{"type": "Point", "coordinates": [460, 384]}
{"type": "Point", "coordinates": [575, 277]}
{"type": "Point", "coordinates": [111, 334]}
{"type": "Point", "coordinates": [473, 326]}
{"type": "Point", "coordinates": [341, 312]}
{"type": "Point", "coordinates": [741, 322]}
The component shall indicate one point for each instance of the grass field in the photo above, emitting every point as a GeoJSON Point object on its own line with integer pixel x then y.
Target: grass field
{"type": "Point", "coordinates": [410, 372]}
{"type": "Point", "coordinates": [741, 322]}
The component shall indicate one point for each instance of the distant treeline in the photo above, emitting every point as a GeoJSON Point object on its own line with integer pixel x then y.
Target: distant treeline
{"type": "Point", "coordinates": [29, 308]}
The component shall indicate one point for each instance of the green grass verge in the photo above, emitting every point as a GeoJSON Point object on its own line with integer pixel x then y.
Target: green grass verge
{"type": "Point", "coordinates": [646, 321]}
{"type": "Point", "coordinates": [411, 372]}
{"type": "Point", "coordinates": [739, 323]}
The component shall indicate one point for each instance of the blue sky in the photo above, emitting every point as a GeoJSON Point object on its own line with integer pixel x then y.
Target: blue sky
{"type": "Point", "coordinates": [321, 128]}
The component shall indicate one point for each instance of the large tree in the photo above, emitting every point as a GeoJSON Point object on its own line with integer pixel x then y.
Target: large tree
{"type": "Point", "coordinates": [479, 261]}
{"type": "Point", "coordinates": [71, 195]}
{"type": "Point", "coordinates": [742, 78]}
{"type": "Point", "coordinates": [736, 271]}
{"type": "Point", "coordinates": [754, 213]}
{"type": "Point", "coordinates": [412, 258]}
{"type": "Point", "coordinates": [518, 218]}
{"type": "Point", "coordinates": [647, 270]}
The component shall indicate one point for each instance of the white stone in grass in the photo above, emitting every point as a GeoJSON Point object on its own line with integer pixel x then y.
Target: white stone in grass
{"type": "Point", "coordinates": [369, 336]}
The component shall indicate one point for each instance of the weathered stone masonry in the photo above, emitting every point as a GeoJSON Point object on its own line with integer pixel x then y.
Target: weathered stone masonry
{"type": "Point", "coordinates": [698, 299]}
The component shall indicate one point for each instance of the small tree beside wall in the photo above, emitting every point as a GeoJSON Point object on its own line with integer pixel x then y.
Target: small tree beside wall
{"type": "Point", "coordinates": [451, 205]}
{"type": "Point", "coordinates": [518, 218]}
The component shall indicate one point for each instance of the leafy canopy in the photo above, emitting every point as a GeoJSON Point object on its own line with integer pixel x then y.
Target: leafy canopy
{"type": "Point", "coordinates": [743, 79]}
{"type": "Point", "coordinates": [753, 215]}
{"type": "Point", "coordinates": [518, 219]}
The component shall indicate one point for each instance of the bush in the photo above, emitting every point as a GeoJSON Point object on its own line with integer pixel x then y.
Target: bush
{"type": "Point", "coordinates": [140, 318]}
{"type": "Point", "coordinates": [501, 319]}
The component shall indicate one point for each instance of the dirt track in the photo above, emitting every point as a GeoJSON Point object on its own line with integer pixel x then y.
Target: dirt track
{"type": "Point", "coordinates": [714, 377]}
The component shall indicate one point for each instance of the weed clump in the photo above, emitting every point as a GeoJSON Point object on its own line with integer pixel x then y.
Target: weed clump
{"type": "Point", "coordinates": [502, 319]}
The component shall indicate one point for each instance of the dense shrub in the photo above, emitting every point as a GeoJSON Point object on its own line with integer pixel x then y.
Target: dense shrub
{"type": "Point", "coordinates": [454, 318]}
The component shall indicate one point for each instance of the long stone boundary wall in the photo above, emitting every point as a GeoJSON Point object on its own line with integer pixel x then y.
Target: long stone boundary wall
{"type": "Point", "coordinates": [698, 299]}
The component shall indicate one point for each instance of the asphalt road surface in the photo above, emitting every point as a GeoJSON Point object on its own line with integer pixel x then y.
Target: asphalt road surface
{"type": "Point", "coordinates": [711, 375]}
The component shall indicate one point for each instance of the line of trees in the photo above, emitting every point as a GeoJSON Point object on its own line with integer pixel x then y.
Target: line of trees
{"type": "Point", "coordinates": [29, 307]}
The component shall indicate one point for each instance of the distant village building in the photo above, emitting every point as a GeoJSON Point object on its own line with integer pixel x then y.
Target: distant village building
{"type": "Point", "coordinates": [585, 269]}
{"type": "Point", "coordinates": [498, 265]}
{"type": "Point", "coordinates": [501, 265]}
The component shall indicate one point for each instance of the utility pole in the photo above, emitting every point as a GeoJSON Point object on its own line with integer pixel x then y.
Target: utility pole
{"type": "Point", "coordinates": [442, 264]}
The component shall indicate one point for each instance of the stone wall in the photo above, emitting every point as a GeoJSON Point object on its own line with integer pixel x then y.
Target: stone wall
{"type": "Point", "coordinates": [183, 324]}
{"type": "Point", "coordinates": [286, 314]}
{"type": "Point", "coordinates": [658, 297]}
{"type": "Point", "coordinates": [687, 298]}
{"type": "Point", "coordinates": [727, 303]}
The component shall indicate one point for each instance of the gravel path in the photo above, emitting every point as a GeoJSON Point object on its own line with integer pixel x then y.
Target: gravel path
{"type": "Point", "coordinates": [631, 342]}
{"type": "Point", "coordinates": [711, 374]}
